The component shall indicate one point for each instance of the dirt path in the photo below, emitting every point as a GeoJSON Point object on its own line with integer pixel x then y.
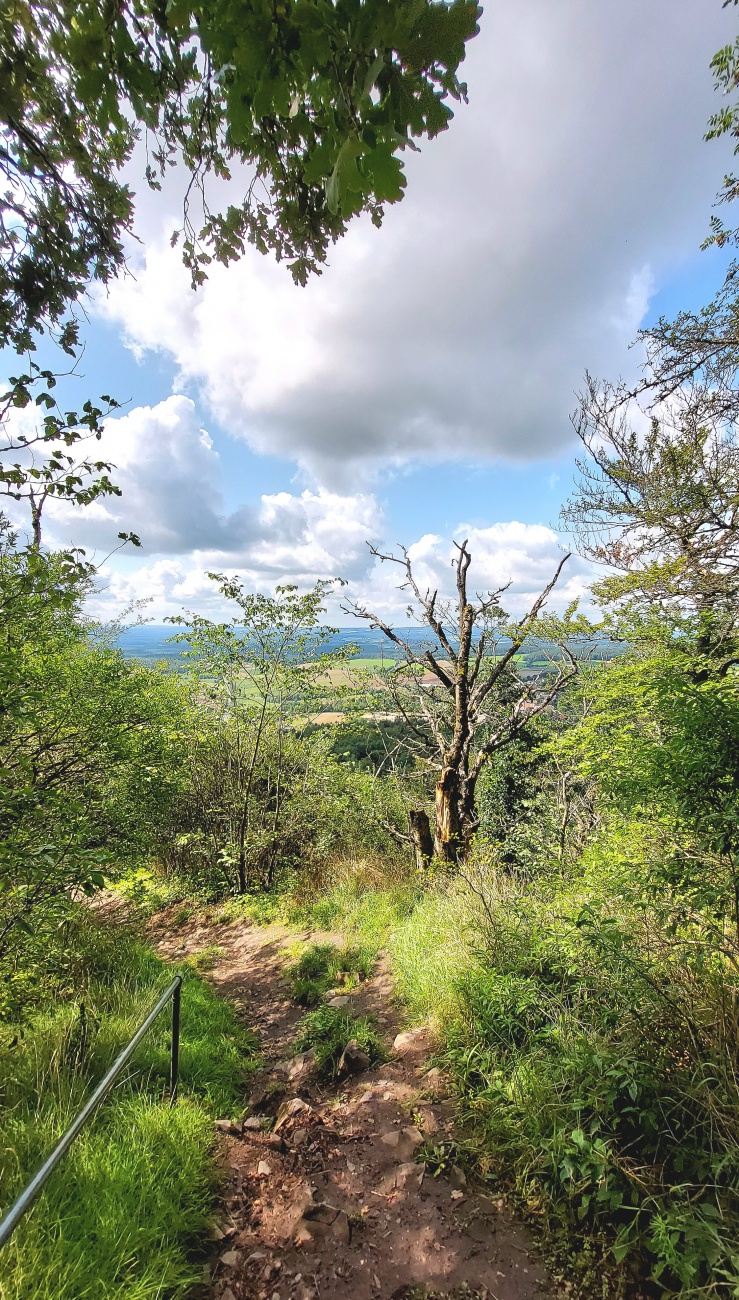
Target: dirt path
{"type": "Point", "coordinates": [324, 1199]}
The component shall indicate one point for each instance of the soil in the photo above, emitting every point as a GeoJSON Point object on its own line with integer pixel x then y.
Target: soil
{"type": "Point", "coordinates": [326, 1194]}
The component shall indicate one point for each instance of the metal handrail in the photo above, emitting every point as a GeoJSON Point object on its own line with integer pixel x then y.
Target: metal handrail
{"type": "Point", "coordinates": [10, 1221]}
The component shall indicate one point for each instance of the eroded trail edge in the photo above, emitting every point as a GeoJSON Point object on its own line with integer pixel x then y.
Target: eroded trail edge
{"type": "Point", "coordinates": [325, 1194]}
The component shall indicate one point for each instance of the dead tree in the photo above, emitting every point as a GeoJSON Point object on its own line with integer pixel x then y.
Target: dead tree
{"type": "Point", "coordinates": [474, 703]}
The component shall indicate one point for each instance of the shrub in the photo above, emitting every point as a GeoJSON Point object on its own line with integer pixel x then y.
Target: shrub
{"type": "Point", "coordinates": [593, 1041]}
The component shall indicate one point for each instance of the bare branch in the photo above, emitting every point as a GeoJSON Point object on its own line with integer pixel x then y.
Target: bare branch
{"type": "Point", "coordinates": [520, 721]}
{"type": "Point", "coordinates": [454, 715]}
{"type": "Point", "coordinates": [427, 601]}
{"type": "Point", "coordinates": [484, 688]}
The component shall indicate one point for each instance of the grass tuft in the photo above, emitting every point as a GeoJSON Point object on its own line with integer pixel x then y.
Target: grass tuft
{"type": "Point", "coordinates": [323, 966]}
{"type": "Point", "coordinates": [328, 1030]}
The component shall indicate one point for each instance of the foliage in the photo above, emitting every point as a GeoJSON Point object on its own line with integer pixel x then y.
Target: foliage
{"type": "Point", "coordinates": [661, 736]}
{"type": "Point", "coordinates": [137, 1188]}
{"type": "Point", "coordinates": [725, 67]}
{"type": "Point", "coordinates": [374, 745]}
{"type": "Point", "coordinates": [73, 719]}
{"type": "Point", "coordinates": [44, 468]}
{"type": "Point", "coordinates": [79, 728]}
{"type": "Point", "coordinates": [660, 510]}
{"type": "Point", "coordinates": [316, 99]}
{"type": "Point", "coordinates": [317, 809]}
{"type": "Point", "coordinates": [583, 1037]}
{"type": "Point", "coordinates": [328, 1030]}
{"type": "Point", "coordinates": [261, 794]}
{"type": "Point", "coordinates": [273, 645]}
{"type": "Point", "coordinates": [535, 805]}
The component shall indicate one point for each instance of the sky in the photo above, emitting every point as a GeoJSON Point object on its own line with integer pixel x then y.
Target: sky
{"type": "Point", "coordinates": [420, 390]}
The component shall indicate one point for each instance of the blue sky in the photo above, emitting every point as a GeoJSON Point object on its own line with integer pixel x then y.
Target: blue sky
{"type": "Point", "coordinates": [426, 381]}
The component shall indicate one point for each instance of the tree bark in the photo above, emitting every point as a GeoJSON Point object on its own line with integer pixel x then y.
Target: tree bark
{"type": "Point", "coordinates": [418, 824]}
{"type": "Point", "coordinates": [36, 508]}
{"type": "Point", "coordinates": [448, 841]}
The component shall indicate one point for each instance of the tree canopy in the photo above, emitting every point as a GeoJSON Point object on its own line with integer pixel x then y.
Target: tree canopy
{"type": "Point", "coordinates": [660, 508]}
{"type": "Point", "coordinates": [307, 103]}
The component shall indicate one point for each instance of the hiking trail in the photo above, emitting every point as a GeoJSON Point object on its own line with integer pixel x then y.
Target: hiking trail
{"type": "Point", "coordinates": [324, 1198]}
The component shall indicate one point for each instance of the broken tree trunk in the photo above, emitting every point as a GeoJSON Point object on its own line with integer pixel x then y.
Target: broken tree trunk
{"type": "Point", "coordinates": [418, 824]}
{"type": "Point", "coordinates": [448, 840]}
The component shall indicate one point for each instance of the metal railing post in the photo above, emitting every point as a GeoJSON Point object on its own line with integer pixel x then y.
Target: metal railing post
{"type": "Point", "coordinates": [24, 1202]}
{"type": "Point", "coordinates": [174, 1076]}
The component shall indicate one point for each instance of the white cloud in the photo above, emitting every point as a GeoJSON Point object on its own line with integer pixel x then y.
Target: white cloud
{"type": "Point", "coordinates": [170, 476]}
{"type": "Point", "coordinates": [167, 468]}
{"type": "Point", "coordinates": [531, 239]}
{"type": "Point", "coordinates": [525, 556]}
{"type": "Point", "coordinates": [331, 541]}
{"type": "Point", "coordinates": [525, 251]}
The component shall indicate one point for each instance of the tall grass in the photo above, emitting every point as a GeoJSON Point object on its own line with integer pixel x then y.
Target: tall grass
{"type": "Point", "coordinates": [360, 901]}
{"type": "Point", "coordinates": [123, 1214]}
{"type": "Point", "coordinates": [432, 947]}
{"type": "Point", "coordinates": [595, 1051]}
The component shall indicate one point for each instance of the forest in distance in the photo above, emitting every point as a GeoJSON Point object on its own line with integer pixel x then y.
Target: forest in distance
{"type": "Point", "coordinates": [522, 809]}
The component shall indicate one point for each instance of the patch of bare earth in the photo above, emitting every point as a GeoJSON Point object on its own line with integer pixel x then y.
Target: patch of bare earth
{"type": "Point", "coordinates": [325, 1198]}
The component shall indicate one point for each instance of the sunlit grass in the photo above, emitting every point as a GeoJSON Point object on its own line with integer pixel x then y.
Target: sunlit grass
{"type": "Point", "coordinates": [119, 1218]}
{"type": "Point", "coordinates": [328, 1030]}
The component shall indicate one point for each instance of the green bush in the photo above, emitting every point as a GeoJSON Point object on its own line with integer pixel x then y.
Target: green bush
{"type": "Point", "coordinates": [594, 1047]}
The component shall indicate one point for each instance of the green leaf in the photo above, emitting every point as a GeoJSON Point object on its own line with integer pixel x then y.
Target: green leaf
{"type": "Point", "coordinates": [386, 170]}
{"type": "Point", "coordinates": [345, 175]}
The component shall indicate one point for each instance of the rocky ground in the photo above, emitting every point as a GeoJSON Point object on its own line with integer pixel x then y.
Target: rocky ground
{"type": "Point", "coordinates": [326, 1196]}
